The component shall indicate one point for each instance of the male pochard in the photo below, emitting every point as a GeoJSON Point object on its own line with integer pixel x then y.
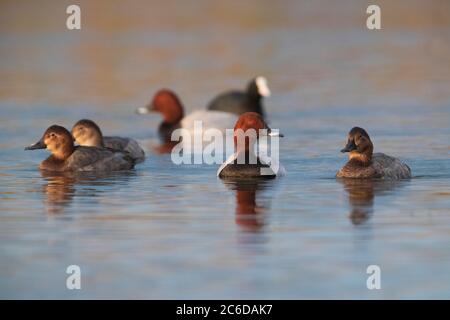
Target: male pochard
{"type": "Point", "coordinates": [239, 102]}
{"type": "Point", "coordinates": [169, 105]}
{"type": "Point", "coordinates": [363, 163]}
{"type": "Point", "coordinates": [87, 133]}
{"type": "Point", "coordinates": [67, 157]}
{"type": "Point", "coordinates": [244, 163]}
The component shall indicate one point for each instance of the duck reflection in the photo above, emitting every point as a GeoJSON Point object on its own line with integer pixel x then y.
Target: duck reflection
{"type": "Point", "coordinates": [61, 187]}
{"type": "Point", "coordinates": [361, 196]}
{"type": "Point", "coordinates": [165, 147]}
{"type": "Point", "coordinates": [164, 143]}
{"type": "Point", "coordinates": [249, 214]}
{"type": "Point", "coordinates": [59, 191]}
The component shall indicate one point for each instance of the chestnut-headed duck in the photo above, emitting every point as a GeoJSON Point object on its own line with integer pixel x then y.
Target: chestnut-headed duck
{"type": "Point", "coordinates": [169, 105]}
{"type": "Point", "coordinates": [239, 102]}
{"type": "Point", "coordinates": [244, 163]}
{"type": "Point", "coordinates": [67, 157]}
{"type": "Point", "coordinates": [87, 133]}
{"type": "Point", "coordinates": [363, 163]}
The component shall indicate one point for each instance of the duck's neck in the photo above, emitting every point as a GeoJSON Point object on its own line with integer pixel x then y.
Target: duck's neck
{"type": "Point", "coordinates": [247, 150]}
{"type": "Point", "coordinates": [253, 92]}
{"type": "Point", "coordinates": [362, 159]}
{"type": "Point", "coordinates": [245, 144]}
{"type": "Point", "coordinates": [96, 141]}
{"type": "Point", "coordinates": [173, 115]}
{"type": "Point", "coordinates": [165, 131]}
{"type": "Point", "coordinates": [246, 157]}
{"type": "Point", "coordinates": [62, 153]}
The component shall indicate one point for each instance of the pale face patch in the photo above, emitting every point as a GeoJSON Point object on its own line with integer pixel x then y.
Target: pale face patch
{"type": "Point", "coordinates": [263, 89]}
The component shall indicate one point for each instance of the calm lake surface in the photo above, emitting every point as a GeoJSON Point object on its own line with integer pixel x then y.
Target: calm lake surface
{"type": "Point", "coordinates": [168, 231]}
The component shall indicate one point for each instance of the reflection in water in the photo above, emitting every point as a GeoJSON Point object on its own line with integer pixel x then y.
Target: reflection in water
{"type": "Point", "coordinates": [249, 214]}
{"type": "Point", "coordinates": [361, 196]}
{"type": "Point", "coordinates": [58, 191]}
{"type": "Point", "coordinates": [60, 187]}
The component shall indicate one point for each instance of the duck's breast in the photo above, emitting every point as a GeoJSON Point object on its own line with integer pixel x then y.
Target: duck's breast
{"type": "Point", "coordinates": [232, 101]}
{"type": "Point", "coordinates": [52, 164]}
{"type": "Point", "coordinates": [274, 164]}
{"type": "Point", "coordinates": [389, 167]}
{"type": "Point", "coordinates": [355, 170]}
{"type": "Point", "coordinates": [270, 168]}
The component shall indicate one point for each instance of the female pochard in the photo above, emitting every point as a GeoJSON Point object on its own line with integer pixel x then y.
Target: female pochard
{"type": "Point", "coordinates": [67, 157]}
{"type": "Point", "coordinates": [87, 133]}
{"type": "Point", "coordinates": [363, 163]}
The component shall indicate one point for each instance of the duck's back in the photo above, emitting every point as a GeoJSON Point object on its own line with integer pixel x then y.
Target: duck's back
{"type": "Point", "coordinates": [389, 167]}
{"type": "Point", "coordinates": [235, 102]}
{"type": "Point", "coordinates": [98, 159]}
{"type": "Point", "coordinates": [210, 119]}
{"type": "Point", "coordinates": [381, 167]}
{"type": "Point", "coordinates": [126, 145]}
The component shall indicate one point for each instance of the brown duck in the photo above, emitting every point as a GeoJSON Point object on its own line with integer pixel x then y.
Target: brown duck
{"type": "Point", "coordinates": [363, 163]}
{"type": "Point", "coordinates": [67, 157]}
{"type": "Point", "coordinates": [87, 133]}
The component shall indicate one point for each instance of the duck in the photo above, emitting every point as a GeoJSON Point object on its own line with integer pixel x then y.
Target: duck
{"type": "Point", "coordinates": [239, 102]}
{"type": "Point", "coordinates": [166, 102]}
{"type": "Point", "coordinates": [244, 163]}
{"type": "Point", "coordinates": [87, 133]}
{"type": "Point", "coordinates": [364, 164]}
{"type": "Point", "coordinates": [65, 156]}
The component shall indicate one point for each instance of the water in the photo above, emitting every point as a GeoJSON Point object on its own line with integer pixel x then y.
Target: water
{"type": "Point", "coordinates": [167, 231]}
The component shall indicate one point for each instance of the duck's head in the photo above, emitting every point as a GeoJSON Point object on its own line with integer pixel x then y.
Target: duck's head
{"type": "Point", "coordinates": [359, 144]}
{"type": "Point", "coordinates": [168, 104]}
{"type": "Point", "coordinates": [87, 133]}
{"type": "Point", "coordinates": [258, 87]}
{"type": "Point", "coordinates": [57, 140]}
{"type": "Point", "coordinates": [251, 126]}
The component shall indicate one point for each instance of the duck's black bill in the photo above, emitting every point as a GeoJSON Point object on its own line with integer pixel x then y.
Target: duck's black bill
{"type": "Point", "coordinates": [38, 145]}
{"type": "Point", "coordinates": [351, 146]}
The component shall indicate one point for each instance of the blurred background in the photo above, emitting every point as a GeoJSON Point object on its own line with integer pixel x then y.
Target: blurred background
{"type": "Point", "coordinates": [317, 52]}
{"type": "Point", "coordinates": [149, 234]}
